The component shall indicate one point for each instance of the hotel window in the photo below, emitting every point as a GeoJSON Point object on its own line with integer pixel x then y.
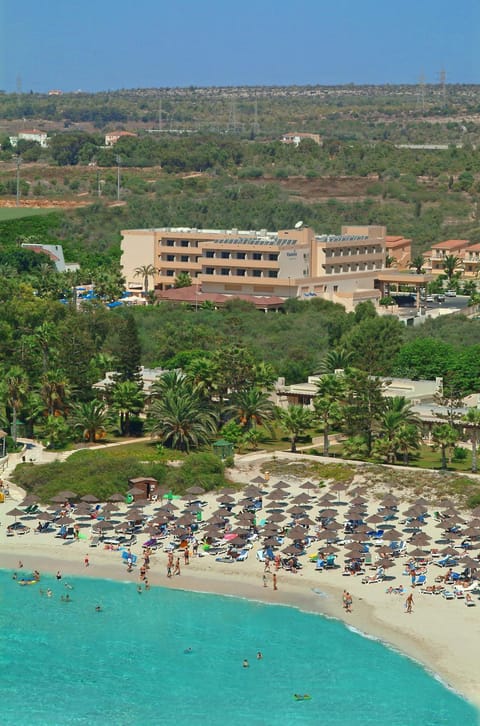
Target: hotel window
{"type": "Point", "coordinates": [225, 255]}
{"type": "Point", "coordinates": [170, 258]}
{"type": "Point", "coordinates": [184, 243]}
{"type": "Point", "coordinates": [257, 256]}
{"type": "Point", "coordinates": [225, 271]}
{"type": "Point", "coordinates": [335, 288]}
{"type": "Point", "coordinates": [241, 255]}
{"type": "Point", "coordinates": [209, 270]}
{"type": "Point", "coordinates": [273, 273]}
{"type": "Point", "coordinates": [210, 254]}
{"type": "Point", "coordinates": [184, 258]}
{"type": "Point", "coordinates": [170, 273]}
{"type": "Point", "coordinates": [273, 256]}
{"type": "Point", "coordinates": [256, 273]}
{"type": "Point", "coordinates": [169, 243]}
{"type": "Point", "coordinates": [241, 273]}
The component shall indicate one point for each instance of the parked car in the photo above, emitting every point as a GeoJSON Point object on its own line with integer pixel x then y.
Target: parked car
{"type": "Point", "coordinates": [429, 299]}
{"type": "Point", "coordinates": [440, 298]}
{"type": "Point", "coordinates": [451, 293]}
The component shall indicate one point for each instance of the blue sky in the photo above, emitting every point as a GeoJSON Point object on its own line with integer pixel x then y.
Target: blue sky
{"type": "Point", "coordinates": [111, 44]}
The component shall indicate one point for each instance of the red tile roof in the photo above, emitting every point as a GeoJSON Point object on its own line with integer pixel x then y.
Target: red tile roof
{"type": "Point", "coordinates": [189, 295]}
{"type": "Point", "coordinates": [450, 244]}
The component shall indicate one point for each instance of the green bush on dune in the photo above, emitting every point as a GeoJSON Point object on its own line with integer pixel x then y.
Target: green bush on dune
{"type": "Point", "coordinates": [103, 473]}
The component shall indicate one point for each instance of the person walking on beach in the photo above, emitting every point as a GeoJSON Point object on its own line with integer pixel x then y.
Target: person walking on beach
{"type": "Point", "coordinates": [264, 580]}
{"type": "Point", "coordinates": [177, 567]}
{"type": "Point", "coordinates": [409, 603]}
{"type": "Point", "coordinates": [86, 561]}
{"type": "Point", "coordinates": [275, 581]}
{"type": "Point", "coordinates": [186, 556]}
{"type": "Point", "coordinates": [348, 602]}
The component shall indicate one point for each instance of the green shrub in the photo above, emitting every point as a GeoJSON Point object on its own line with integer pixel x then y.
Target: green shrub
{"type": "Point", "coordinates": [86, 472]}
{"type": "Point", "coordinates": [203, 469]}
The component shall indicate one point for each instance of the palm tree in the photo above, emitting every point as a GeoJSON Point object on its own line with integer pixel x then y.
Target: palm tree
{"type": "Point", "coordinates": [397, 413]}
{"type": "Point", "coordinates": [91, 417]}
{"type": "Point", "coordinates": [451, 265]}
{"type": "Point", "coordinates": [127, 398]}
{"type": "Point", "coordinates": [417, 264]}
{"type": "Point", "coordinates": [16, 387]}
{"type": "Point", "coordinates": [253, 408]}
{"type": "Point", "coordinates": [183, 279]}
{"type": "Point", "coordinates": [45, 336]}
{"type": "Point", "coordinates": [295, 420]}
{"type": "Point", "coordinates": [145, 271]}
{"type": "Point", "coordinates": [472, 422]}
{"type": "Point", "coordinates": [330, 392]}
{"type": "Point", "coordinates": [181, 419]}
{"type": "Point", "coordinates": [407, 439]}
{"type": "Point", "coordinates": [336, 359]}
{"type": "Point", "coordinates": [445, 437]}
{"type": "Point", "coordinates": [55, 391]}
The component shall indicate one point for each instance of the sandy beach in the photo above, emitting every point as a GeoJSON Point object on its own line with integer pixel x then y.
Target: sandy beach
{"type": "Point", "coordinates": [441, 634]}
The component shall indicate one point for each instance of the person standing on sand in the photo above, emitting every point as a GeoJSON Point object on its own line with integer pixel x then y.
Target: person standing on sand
{"type": "Point", "coordinates": [177, 567]}
{"type": "Point", "coordinates": [348, 602]}
{"type": "Point", "coordinates": [264, 580]}
{"type": "Point", "coordinates": [275, 581]}
{"type": "Point", "coordinates": [409, 603]}
{"type": "Point", "coordinates": [86, 561]}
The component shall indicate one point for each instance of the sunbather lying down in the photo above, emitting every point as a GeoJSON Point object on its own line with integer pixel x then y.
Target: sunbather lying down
{"type": "Point", "coordinates": [432, 589]}
{"type": "Point", "coordinates": [396, 590]}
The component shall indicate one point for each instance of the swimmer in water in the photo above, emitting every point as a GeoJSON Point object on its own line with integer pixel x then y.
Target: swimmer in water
{"type": "Point", "coordinates": [49, 593]}
{"type": "Point", "coordinates": [139, 589]}
{"type": "Point", "coordinates": [246, 664]}
{"type": "Point", "coordinates": [98, 609]}
{"type": "Point", "coordinates": [68, 586]}
{"type": "Point", "coordinates": [188, 650]}
{"type": "Point", "coordinates": [259, 655]}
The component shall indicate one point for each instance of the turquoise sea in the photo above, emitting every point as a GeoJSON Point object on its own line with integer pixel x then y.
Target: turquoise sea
{"type": "Point", "coordinates": [126, 665]}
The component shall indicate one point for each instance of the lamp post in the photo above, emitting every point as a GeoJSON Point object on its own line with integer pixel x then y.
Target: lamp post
{"type": "Point", "coordinates": [17, 196]}
{"type": "Point", "coordinates": [118, 159]}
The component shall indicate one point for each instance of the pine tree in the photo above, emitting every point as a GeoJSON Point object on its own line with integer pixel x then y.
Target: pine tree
{"type": "Point", "coordinates": [130, 352]}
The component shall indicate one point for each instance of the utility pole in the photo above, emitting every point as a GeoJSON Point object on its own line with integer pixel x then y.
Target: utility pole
{"type": "Point", "coordinates": [17, 198]}
{"type": "Point", "coordinates": [443, 87]}
{"type": "Point", "coordinates": [421, 91]}
{"type": "Point", "coordinates": [118, 159]}
{"type": "Point", "coordinates": [256, 127]}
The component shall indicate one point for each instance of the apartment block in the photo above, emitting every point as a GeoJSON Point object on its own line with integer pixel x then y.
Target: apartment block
{"type": "Point", "coordinates": [399, 249]}
{"type": "Point", "coordinates": [435, 257]}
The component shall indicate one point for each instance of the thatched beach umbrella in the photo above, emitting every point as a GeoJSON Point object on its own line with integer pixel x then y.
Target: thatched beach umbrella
{"type": "Point", "coordinates": [57, 499]}
{"type": "Point", "coordinates": [195, 490]}
{"type": "Point", "coordinates": [89, 498]}
{"type": "Point", "coordinates": [68, 494]}
{"type": "Point", "coordinates": [15, 513]}
{"type": "Point", "coordinates": [116, 497]}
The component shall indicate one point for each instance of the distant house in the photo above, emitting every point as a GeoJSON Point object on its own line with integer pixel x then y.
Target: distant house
{"type": "Point", "coordinates": [55, 92]}
{"type": "Point", "coordinates": [112, 137]}
{"type": "Point", "coordinates": [31, 135]}
{"type": "Point", "coordinates": [54, 252]}
{"type": "Point", "coordinates": [399, 249]}
{"type": "Point", "coordinates": [435, 257]}
{"type": "Point", "coordinates": [296, 138]}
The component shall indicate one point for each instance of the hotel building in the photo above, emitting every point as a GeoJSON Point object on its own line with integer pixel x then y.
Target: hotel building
{"type": "Point", "coordinates": [287, 263]}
